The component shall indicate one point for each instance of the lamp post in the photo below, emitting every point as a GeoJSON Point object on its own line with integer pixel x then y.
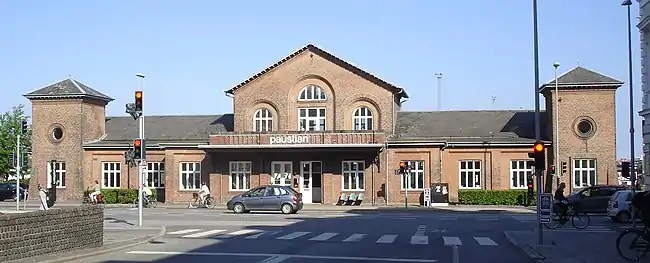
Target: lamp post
{"type": "Point", "coordinates": [628, 4]}
{"type": "Point", "coordinates": [439, 76]}
{"type": "Point", "coordinates": [538, 122]}
{"type": "Point", "coordinates": [557, 125]}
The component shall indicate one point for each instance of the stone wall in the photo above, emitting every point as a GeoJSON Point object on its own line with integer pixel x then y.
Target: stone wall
{"type": "Point", "coordinates": [29, 234]}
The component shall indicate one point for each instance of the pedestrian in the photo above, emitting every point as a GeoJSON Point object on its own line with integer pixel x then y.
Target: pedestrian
{"type": "Point", "coordinates": [42, 193]}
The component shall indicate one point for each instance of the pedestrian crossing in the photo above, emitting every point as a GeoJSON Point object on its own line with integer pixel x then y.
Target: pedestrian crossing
{"type": "Point", "coordinates": [254, 234]}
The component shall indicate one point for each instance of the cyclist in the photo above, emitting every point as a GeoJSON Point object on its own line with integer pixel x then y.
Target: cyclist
{"type": "Point", "coordinates": [561, 201]}
{"type": "Point", "coordinates": [146, 192]}
{"type": "Point", "coordinates": [204, 192]}
{"type": "Point", "coordinates": [96, 191]}
{"type": "Point", "coordinates": [641, 201]}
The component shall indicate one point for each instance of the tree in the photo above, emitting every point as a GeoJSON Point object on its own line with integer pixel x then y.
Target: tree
{"type": "Point", "coordinates": [10, 127]}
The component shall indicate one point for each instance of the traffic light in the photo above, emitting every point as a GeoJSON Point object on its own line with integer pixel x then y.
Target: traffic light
{"type": "Point", "coordinates": [538, 154]}
{"type": "Point", "coordinates": [625, 169]}
{"type": "Point", "coordinates": [138, 101]}
{"type": "Point", "coordinates": [139, 150]}
{"type": "Point", "coordinates": [552, 169]}
{"type": "Point", "coordinates": [12, 158]}
{"type": "Point", "coordinates": [23, 127]}
{"type": "Point", "coordinates": [563, 167]}
{"type": "Point", "coordinates": [402, 167]}
{"type": "Point", "coordinates": [531, 191]}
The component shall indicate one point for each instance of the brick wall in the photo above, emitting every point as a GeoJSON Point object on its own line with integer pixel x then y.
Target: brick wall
{"type": "Point", "coordinates": [24, 235]}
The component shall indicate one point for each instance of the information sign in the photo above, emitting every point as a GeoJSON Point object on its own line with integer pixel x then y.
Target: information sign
{"type": "Point", "coordinates": [546, 207]}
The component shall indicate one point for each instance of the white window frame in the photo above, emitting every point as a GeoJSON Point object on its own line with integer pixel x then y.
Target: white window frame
{"type": "Point", "coordinates": [156, 170]}
{"type": "Point", "coordinates": [59, 171]}
{"type": "Point", "coordinates": [473, 172]}
{"type": "Point", "coordinates": [239, 175]}
{"type": "Point", "coordinates": [358, 174]}
{"type": "Point", "coordinates": [578, 169]}
{"type": "Point", "coordinates": [263, 120]}
{"type": "Point", "coordinates": [525, 171]}
{"type": "Point", "coordinates": [317, 119]}
{"type": "Point", "coordinates": [192, 172]}
{"type": "Point", "coordinates": [114, 172]}
{"type": "Point", "coordinates": [314, 91]}
{"type": "Point", "coordinates": [362, 119]}
{"type": "Point", "coordinates": [283, 181]}
{"type": "Point", "coordinates": [418, 169]}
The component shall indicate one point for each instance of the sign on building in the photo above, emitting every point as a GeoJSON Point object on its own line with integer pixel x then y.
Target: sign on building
{"type": "Point", "coordinates": [289, 139]}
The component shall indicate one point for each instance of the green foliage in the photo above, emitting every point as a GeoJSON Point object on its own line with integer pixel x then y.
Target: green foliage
{"type": "Point", "coordinates": [493, 197]}
{"type": "Point", "coordinates": [10, 127]}
{"type": "Point", "coordinates": [121, 196]}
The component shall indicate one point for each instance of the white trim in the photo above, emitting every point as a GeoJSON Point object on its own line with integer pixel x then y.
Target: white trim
{"type": "Point", "coordinates": [282, 164]}
{"type": "Point", "coordinates": [280, 146]}
{"type": "Point", "coordinates": [194, 168]}
{"type": "Point", "coordinates": [473, 171]}
{"type": "Point", "coordinates": [362, 119]}
{"type": "Point", "coordinates": [114, 171]}
{"type": "Point", "coordinates": [354, 173]}
{"type": "Point", "coordinates": [151, 171]}
{"type": "Point", "coordinates": [575, 170]}
{"type": "Point", "coordinates": [318, 118]}
{"type": "Point", "coordinates": [528, 170]}
{"type": "Point", "coordinates": [246, 174]}
{"type": "Point", "coordinates": [266, 122]}
{"type": "Point", "coordinates": [420, 168]}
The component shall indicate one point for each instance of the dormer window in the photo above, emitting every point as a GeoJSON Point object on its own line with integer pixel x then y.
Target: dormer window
{"type": "Point", "coordinates": [311, 93]}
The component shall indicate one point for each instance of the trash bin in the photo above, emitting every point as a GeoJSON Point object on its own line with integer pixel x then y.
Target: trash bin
{"type": "Point", "coordinates": [440, 193]}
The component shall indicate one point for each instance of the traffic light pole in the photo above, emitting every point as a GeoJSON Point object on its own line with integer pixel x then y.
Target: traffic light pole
{"type": "Point", "coordinates": [538, 137]}
{"type": "Point", "coordinates": [17, 159]}
{"type": "Point", "coordinates": [140, 170]}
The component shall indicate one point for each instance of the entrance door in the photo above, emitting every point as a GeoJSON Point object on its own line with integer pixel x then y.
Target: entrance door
{"type": "Point", "coordinates": [310, 171]}
{"type": "Point", "coordinates": [282, 173]}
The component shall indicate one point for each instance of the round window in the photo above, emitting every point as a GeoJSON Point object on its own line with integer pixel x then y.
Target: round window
{"type": "Point", "coordinates": [585, 127]}
{"type": "Point", "coordinates": [57, 133]}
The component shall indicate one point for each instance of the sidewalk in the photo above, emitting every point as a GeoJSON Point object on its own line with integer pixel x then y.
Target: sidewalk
{"type": "Point", "coordinates": [562, 247]}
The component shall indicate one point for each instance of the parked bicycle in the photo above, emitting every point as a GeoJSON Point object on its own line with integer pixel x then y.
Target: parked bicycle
{"type": "Point", "coordinates": [631, 240]}
{"type": "Point", "coordinates": [196, 202]}
{"type": "Point", "coordinates": [579, 220]}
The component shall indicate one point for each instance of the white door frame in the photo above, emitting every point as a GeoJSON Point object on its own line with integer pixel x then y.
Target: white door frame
{"type": "Point", "coordinates": [285, 181]}
{"type": "Point", "coordinates": [306, 192]}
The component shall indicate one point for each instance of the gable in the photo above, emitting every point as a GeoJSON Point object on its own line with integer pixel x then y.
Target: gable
{"type": "Point", "coordinates": [331, 58]}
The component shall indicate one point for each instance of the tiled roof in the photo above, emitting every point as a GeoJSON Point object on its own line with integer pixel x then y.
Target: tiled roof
{"type": "Point", "coordinates": [580, 76]}
{"type": "Point", "coordinates": [326, 55]}
{"type": "Point", "coordinates": [507, 126]}
{"type": "Point", "coordinates": [67, 88]}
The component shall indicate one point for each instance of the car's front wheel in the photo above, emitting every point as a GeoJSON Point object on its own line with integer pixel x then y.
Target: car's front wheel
{"type": "Point", "coordinates": [238, 208]}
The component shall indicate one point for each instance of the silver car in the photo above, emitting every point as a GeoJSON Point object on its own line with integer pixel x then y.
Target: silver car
{"type": "Point", "coordinates": [619, 207]}
{"type": "Point", "coordinates": [267, 198]}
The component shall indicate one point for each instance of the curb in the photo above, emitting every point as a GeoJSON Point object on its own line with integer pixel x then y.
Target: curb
{"type": "Point", "coordinates": [162, 232]}
{"type": "Point", "coordinates": [527, 249]}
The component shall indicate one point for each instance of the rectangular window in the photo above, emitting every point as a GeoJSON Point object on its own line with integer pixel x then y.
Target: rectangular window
{"type": "Point", "coordinates": [156, 174]}
{"type": "Point", "coordinates": [282, 173]}
{"type": "Point", "coordinates": [240, 176]}
{"type": "Point", "coordinates": [584, 172]}
{"type": "Point", "coordinates": [111, 173]}
{"type": "Point", "coordinates": [519, 174]}
{"type": "Point", "coordinates": [470, 174]}
{"type": "Point", "coordinates": [59, 174]}
{"type": "Point", "coordinates": [190, 174]}
{"type": "Point", "coordinates": [414, 179]}
{"type": "Point", "coordinates": [311, 119]}
{"type": "Point", "coordinates": [353, 175]}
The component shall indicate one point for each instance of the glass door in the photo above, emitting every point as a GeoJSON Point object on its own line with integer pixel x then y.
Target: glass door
{"type": "Point", "coordinates": [305, 181]}
{"type": "Point", "coordinates": [281, 173]}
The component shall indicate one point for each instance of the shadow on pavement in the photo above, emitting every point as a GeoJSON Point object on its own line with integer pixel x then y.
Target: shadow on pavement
{"type": "Point", "coordinates": [312, 239]}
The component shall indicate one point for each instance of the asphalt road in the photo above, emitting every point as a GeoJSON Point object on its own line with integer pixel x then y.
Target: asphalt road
{"type": "Point", "coordinates": [199, 235]}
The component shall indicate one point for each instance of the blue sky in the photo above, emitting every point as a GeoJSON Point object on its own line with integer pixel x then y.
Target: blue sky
{"type": "Point", "coordinates": [193, 50]}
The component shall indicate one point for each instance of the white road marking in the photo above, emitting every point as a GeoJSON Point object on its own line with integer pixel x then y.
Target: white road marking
{"type": "Point", "coordinates": [455, 256]}
{"type": "Point", "coordinates": [180, 232]}
{"type": "Point", "coordinates": [293, 235]}
{"type": "Point", "coordinates": [323, 236]}
{"type": "Point", "coordinates": [276, 259]}
{"type": "Point", "coordinates": [354, 238]}
{"type": "Point", "coordinates": [256, 236]}
{"type": "Point", "coordinates": [419, 240]}
{"type": "Point", "coordinates": [485, 241]}
{"type": "Point", "coordinates": [487, 219]}
{"type": "Point", "coordinates": [357, 259]}
{"type": "Point", "coordinates": [239, 233]}
{"type": "Point", "coordinates": [386, 239]}
{"type": "Point", "coordinates": [446, 218]}
{"type": "Point", "coordinates": [206, 233]}
{"type": "Point", "coordinates": [452, 241]}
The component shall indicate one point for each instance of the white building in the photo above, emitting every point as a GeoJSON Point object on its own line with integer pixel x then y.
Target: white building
{"type": "Point", "coordinates": [644, 29]}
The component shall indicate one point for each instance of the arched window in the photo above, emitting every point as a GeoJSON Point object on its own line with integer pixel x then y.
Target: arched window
{"type": "Point", "coordinates": [362, 119]}
{"type": "Point", "coordinates": [263, 120]}
{"type": "Point", "coordinates": [312, 92]}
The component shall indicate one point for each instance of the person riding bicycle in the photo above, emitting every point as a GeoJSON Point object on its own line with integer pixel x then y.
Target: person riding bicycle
{"type": "Point", "coordinates": [146, 194]}
{"type": "Point", "coordinates": [204, 192]}
{"type": "Point", "coordinates": [96, 191]}
{"type": "Point", "coordinates": [641, 201]}
{"type": "Point", "coordinates": [561, 202]}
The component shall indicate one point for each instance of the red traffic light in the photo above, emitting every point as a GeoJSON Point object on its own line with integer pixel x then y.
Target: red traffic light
{"type": "Point", "coordinates": [538, 147]}
{"type": "Point", "coordinates": [137, 143]}
{"type": "Point", "coordinates": [138, 94]}
{"type": "Point", "coordinates": [530, 185]}
{"type": "Point", "coordinates": [402, 164]}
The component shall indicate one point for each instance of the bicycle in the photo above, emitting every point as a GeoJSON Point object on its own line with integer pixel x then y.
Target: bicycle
{"type": "Point", "coordinates": [637, 244]}
{"type": "Point", "coordinates": [571, 214]}
{"type": "Point", "coordinates": [197, 203]}
{"type": "Point", "coordinates": [148, 202]}
{"type": "Point", "coordinates": [86, 200]}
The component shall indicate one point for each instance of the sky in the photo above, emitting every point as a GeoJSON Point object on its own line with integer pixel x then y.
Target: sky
{"type": "Point", "coordinates": [191, 51]}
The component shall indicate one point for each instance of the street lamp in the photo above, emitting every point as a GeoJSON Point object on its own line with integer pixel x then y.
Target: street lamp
{"type": "Point", "coordinates": [557, 124]}
{"type": "Point", "coordinates": [538, 122]}
{"type": "Point", "coordinates": [439, 76]}
{"type": "Point", "coordinates": [628, 4]}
